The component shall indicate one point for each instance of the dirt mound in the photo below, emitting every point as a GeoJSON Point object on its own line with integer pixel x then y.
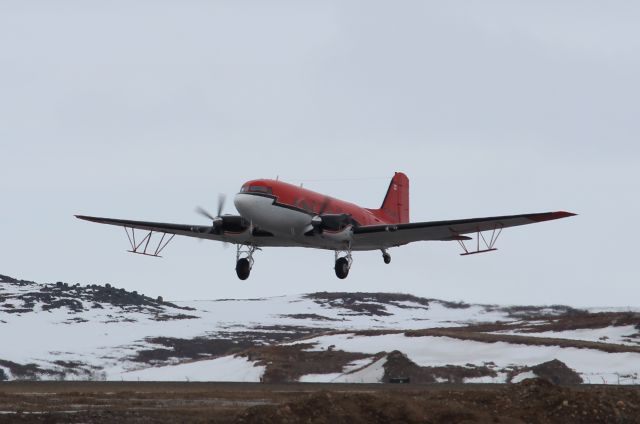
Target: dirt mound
{"type": "Point", "coordinates": [400, 367]}
{"type": "Point", "coordinates": [533, 402]}
{"type": "Point", "coordinates": [557, 372]}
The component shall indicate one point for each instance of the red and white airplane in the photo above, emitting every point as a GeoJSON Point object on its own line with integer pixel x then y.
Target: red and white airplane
{"type": "Point", "coordinates": [274, 213]}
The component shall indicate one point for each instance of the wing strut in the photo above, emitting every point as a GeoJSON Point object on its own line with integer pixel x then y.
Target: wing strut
{"type": "Point", "coordinates": [486, 246]}
{"type": "Point", "coordinates": [137, 247]}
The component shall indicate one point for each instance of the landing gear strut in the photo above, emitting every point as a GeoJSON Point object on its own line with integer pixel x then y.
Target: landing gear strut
{"type": "Point", "coordinates": [244, 260]}
{"type": "Point", "coordinates": [386, 256]}
{"type": "Point", "coordinates": [343, 264]}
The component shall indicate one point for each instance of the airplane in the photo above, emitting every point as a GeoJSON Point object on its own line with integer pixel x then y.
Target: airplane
{"type": "Point", "coordinates": [273, 213]}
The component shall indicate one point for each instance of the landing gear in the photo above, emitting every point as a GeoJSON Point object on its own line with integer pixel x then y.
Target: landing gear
{"type": "Point", "coordinates": [386, 256]}
{"type": "Point", "coordinates": [343, 264]}
{"type": "Point", "coordinates": [243, 268]}
{"type": "Point", "coordinates": [244, 260]}
{"type": "Point", "coordinates": [342, 268]}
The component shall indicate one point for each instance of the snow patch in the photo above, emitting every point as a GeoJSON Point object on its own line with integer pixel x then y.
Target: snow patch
{"type": "Point", "coordinates": [429, 351]}
{"type": "Point", "coordinates": [226, 368]}
{"type": "Point", "coordinates": [523, 376]}
{"type": "Point", "coordinates": [620, 335]}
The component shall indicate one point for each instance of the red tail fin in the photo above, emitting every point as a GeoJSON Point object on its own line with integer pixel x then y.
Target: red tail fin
{"type": "Point", "coordinates": [396, 203]}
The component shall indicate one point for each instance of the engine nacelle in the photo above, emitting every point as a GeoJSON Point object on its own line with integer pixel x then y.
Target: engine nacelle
{"type": "Point", "coordinates": [343, 236]}
{"type": "Point", "coordinates": [330, 222]}
{"type": "Point", "coordinates": [231, 223]}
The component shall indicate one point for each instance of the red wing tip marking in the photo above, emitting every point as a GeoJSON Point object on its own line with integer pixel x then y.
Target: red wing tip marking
{"type": "Point", "coordinates": [95, 219]}
{"type": "Point", "coordinates": [539, 217]}
{"type": "Point", "coordinates": [86, 218]}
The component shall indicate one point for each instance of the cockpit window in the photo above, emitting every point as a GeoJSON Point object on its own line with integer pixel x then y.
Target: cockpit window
{"type": "Point", "coordinates": [260, 189]}
{"type": "Point", "coordinates": [255, 189]}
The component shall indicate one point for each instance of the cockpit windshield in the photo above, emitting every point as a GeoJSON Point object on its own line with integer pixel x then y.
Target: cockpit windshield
{"type": "Point", "coordinates": [256, 189]}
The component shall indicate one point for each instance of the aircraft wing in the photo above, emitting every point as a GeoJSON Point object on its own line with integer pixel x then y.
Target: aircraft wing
{"type": "Point", "coordinates": [162, 233]}
{"type": "Point", "coordinates": [198, 231]}
{"type": "Point", "coordinates": [399, 234]}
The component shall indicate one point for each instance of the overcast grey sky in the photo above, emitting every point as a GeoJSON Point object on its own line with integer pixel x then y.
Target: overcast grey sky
{"type": "Point", "coordinates": [145, 109]}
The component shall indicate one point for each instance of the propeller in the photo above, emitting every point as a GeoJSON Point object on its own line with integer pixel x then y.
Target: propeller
{"type": "Point", "coordinates": [217, 220]}
{"type": "Point", "coordinates": [221, 199]}
{"type": "Point", "coordinates": [204, 213]}
{"type": "Point", "coordinates": [333, 221]}
{"type": "Point", "coordinates": [325, 205]}
{"type": "Point", "coordinates": [316, 220]}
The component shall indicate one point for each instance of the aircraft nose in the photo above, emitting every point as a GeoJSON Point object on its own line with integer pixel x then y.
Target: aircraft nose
{"type": "Point", "coordinates": [239, 202]}
{"type": "Point", "coordinates": [245, 204]}
{"type": "Point", "coordinates": [249, 206]}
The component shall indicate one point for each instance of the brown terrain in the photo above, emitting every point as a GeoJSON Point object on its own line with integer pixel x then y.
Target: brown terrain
{"type": "Point", "coordinates": [429, 394]}
{"type": "Point", "coordinates": [530, 402]}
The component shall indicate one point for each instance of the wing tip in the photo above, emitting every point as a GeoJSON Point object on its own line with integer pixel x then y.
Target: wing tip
{"type": "Point", "coordinates": [563, 214]}
{"type": "Point", "coordinates": [549, 216]}
{"type": "Point", "coordinates": [88, 218]}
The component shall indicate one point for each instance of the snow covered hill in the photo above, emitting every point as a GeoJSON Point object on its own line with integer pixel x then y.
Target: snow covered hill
{"type": "Point", "coordinates": [61, 331]}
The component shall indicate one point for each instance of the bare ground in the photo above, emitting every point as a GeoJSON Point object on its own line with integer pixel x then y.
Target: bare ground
{"type": "Point", "coordinates": [533, 401]}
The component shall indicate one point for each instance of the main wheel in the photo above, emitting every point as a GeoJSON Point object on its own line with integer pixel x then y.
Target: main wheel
{"type": "Point", "coordinates": [243, 268]}
{"type": "Point", "coordinates": [342, 268]}
{"type": "Point", "coordinates": [387, 258]}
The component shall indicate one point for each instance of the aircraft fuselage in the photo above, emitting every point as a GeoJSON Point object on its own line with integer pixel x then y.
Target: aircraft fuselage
{"type": "Point", "coordinates": [288, 211]}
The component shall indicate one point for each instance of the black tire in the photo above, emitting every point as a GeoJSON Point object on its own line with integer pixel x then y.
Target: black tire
{"type": "Point", "coordinates": [243, 268]}
{"type": "Point", "coordinates": [386, 258]}
{"type": "Point", "coordinates": [342, 268]}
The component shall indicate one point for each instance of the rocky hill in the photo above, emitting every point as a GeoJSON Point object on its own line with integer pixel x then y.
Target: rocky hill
{"type": "Point", "coordinates": [74, 332]}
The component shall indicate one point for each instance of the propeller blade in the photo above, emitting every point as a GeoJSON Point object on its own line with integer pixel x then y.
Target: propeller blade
{"type": "Point", "coordinates": [324, 205]}
{"type": "Point", "coordinates": [204, 213]}
{"type": "Point", "coordinates": [221, 200]}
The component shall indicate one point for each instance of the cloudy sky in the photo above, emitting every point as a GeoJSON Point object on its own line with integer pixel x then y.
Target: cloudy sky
{"type": "Point", "coordinates": [143, 110]}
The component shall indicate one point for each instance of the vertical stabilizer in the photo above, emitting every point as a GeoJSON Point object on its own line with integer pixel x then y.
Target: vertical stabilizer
{"type": "Point", "coordinates": [396, 203]}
